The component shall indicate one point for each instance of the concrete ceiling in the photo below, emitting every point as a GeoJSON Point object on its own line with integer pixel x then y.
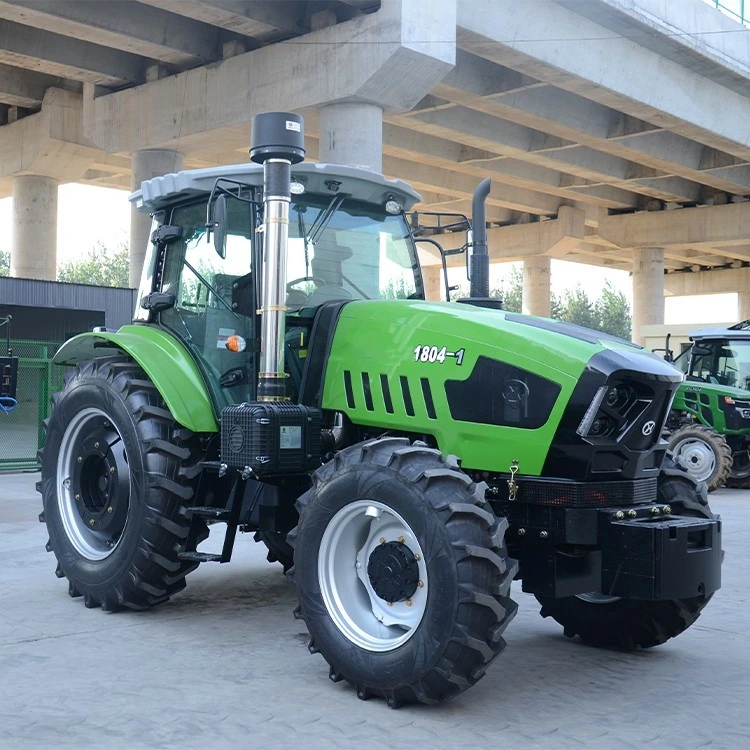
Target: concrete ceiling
{"type": "Point", "coordinates": [595, 104]}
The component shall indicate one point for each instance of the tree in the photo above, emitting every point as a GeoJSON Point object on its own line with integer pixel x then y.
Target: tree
{"type": "Point", "coordinates": [511, 290]}
{"type": "Point", "coordinates": [613, 311]}
{"type": "Point", "coordinates": [576, 307]}
{"type": "Point", "coordinates": [101, 266]}
{"type": "Point", "coordinates": [610, 313]}
{"type": "Point", "coordinates": [4, 263]}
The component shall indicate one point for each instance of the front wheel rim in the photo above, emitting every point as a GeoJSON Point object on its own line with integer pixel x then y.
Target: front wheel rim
{"type": "Point", "coordinates": [367, 546]}
{"type": "Point", "coordinates": [696, 457]}
{"type": "Point", "coordinates": [93, 484]}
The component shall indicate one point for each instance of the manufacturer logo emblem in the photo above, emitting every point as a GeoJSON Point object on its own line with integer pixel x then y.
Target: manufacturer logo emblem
{"type": "Point", "coordinates": [648, 428]}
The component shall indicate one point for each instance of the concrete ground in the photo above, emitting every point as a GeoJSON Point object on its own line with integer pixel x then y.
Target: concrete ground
{"type": "Point", "coordinates": [224, 664]}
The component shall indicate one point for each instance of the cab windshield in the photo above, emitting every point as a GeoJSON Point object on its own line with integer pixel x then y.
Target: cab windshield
{"type": "Point", "coordinates": [721, 361]}
{"type": "Point", "coordinates": [345, 249]}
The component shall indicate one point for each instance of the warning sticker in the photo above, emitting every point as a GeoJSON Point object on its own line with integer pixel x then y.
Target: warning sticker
{"type": "Point", "coordinates": [292, 125]}
{"type": "Point", "coordinates": [290, 437]}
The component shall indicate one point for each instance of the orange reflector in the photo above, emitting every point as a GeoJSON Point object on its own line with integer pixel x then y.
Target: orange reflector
{"type": "Point", "coordinates": [729, 400]}
{"type": "Point", "coordinates": [236, 344]}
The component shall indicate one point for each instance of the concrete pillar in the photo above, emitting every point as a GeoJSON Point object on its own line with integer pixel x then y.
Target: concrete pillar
{"type": "Point", "coordinates": [352, 133]}
{"type": "Point", "coordinates": [743, 306]}
{"type": "Point", "coordinates": [33, 252]}
{"type": "Point", "coordinates": [648, 289]}
{"type": "Point", "coordinates": [535, 299]}
{"type": "Point", "coordinates": [432, 276]}
{"type": "Point", "coordinates": [145, 165]}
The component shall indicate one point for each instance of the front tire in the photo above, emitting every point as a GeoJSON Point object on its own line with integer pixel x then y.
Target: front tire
{"type": "Point", "coordinates": [613, 622]}
{"type": "Point", "coordinates": [703, 453]}
{"type": "Point", "coordinates": [402, 573]}
{"type": "Point", "coordinates": [117, 475]}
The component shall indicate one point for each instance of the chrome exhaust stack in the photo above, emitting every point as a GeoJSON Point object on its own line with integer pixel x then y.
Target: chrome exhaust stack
{"type": "Point", "coordinates": [278, 141]}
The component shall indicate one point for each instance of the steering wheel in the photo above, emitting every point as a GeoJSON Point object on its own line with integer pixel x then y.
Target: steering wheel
{"type": "Point", "coordinates": [315, 279]}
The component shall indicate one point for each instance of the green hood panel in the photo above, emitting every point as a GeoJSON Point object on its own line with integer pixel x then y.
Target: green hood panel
{"type": "Point", "coordinates": [375, 350]}
{"type": "Point", "coordinates": [164, 360]}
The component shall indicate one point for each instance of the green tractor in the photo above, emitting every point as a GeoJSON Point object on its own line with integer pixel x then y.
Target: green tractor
{"type": "Point", "coordinates": [709, 424]}
{"type": "Point", "coordinates": [404, 460]}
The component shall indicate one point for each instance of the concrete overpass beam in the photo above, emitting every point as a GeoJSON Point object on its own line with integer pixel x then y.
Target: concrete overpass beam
{"type": "Point", "coordinates": [352, 133]}
{"type": "Point", "coordinates": [146, 165]}
{"type": "Point", "coordinates": [33, 252]}
{"type": "Point", "coordinates": [648, 289]}
{"type": "Point", "coordinates": [536, 285]}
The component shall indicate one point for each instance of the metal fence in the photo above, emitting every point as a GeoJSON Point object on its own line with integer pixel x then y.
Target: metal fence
{"type": "Point", "coordinates": [739, 10]}
{"type": "Point", "coordinates": [21, 432]}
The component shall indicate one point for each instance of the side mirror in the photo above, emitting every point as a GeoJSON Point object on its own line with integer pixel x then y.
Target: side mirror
{"type": "Point", "coordinates": [701, 351]}
{"type": "Point", "coordinates": [220, 226]}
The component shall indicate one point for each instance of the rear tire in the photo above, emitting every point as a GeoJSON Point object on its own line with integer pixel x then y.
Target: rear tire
{"type": "Point", "coordinates": [740, 476]}
{"type": "Point", "coordinates": [117, 475]}
{"type": "Point", "coordinates": [703, 453]}
{"type": "Point", "coordinates": [279, 550]}
{"type": "Point", "coordinates": [434, 640]}
{"type": "Point", "coordinates": [634, 623]}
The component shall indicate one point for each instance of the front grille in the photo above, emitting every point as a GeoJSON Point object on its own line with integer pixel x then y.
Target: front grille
{"type": "Point", "coordinates": [581, 494]}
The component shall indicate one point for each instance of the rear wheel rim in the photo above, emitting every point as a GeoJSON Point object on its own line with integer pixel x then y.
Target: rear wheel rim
{"type": "Point", "coordinates": [351, 566]}
{"type": "Point", "coordinates": [696, 457]}
{"type": "Point", "coordinates": [93, 484]}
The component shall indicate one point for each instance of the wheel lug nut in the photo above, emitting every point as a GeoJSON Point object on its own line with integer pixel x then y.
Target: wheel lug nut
{"type": "Point", "coordinates": [382, 540]}
{"type": "Point", "coordinates": [543, 534]}
{"type": "Point", "coordinates": [408, 602]}
{"type": "Point", "coordinates": [521, 532]}
{"type": "Point", "coordinates": [619, 515]}
{"type": "Point", "coordinates": [666, 510]}
{"type": "Point", "coordinates": [401, 539]}
{"type": "Point", "coordinates": [420, 584]}
{"type": "Point", "coordinates": [80, 459]}
{"type": "Point", "coordinates": [390, 604]}
{"type": "Point", "coordinates": [109, 510]}
{"type": "Point", "coordinates": [78, 497]}
{"type": "Point", "coordinates": [91, 521]}
{"type": "Point", "coordinates": [96, 445]}
{"type": "Point", "coordinates": [417, 558]}
{"type": "Point", "coordinates": [632, 514]}
{"type": "Point", "coordinates": [655, 511]}
{"type": "Point", "coordinates": [111, 469]}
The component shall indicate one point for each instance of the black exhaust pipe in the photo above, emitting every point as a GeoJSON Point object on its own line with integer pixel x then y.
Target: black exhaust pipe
{"type": "Point", "coordinates": [480, 257]}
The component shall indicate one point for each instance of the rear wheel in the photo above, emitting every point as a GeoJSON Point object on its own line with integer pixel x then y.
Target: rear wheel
{"type": "Point", "coordinates": [614, 622]}
{"type": "Point", "coordinates": [402, 572]}
{"type": "Point", "coordinates": [279, 550]}
{"type": "Point", "coordinates": [703, 453]}
{"type": "Point", "coordinates": [740, 476]}
{"type": "Point", "coordinates": [117, 475]}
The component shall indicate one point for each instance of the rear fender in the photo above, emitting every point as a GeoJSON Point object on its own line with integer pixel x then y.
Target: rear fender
{"type": "Point", "coordinates": [165, 361]}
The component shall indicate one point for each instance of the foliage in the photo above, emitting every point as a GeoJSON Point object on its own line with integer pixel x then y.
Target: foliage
{"type": "Point", "coordinates": [4, 263]}
{"type": "Point", "coordinates": [609, 313]}
{"type": "Point", "coordinates": [100, 266]}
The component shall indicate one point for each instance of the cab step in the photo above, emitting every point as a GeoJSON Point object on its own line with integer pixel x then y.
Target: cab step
{"type": "Point", "coordinates": [230, 514]}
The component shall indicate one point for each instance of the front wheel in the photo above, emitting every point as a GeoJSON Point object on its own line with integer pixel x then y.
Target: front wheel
{"type": "Point", "coordinates": [613, 622]}
{"type": "Point", "coordinates": [703, 453]}
{"type": "Point", "coordinates": [402, 572]}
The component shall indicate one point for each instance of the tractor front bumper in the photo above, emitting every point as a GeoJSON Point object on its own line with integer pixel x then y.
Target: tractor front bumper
{"type": "Point", "coordinates": [635, 552]}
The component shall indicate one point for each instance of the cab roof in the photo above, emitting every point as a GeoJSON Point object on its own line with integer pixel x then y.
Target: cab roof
{"type": "Point", "coordinates": [738, 331]}
{"type": "Point", "coordinates": [326, 179]}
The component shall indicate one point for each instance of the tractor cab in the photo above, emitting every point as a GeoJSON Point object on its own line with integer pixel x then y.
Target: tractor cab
{"type": "Point", "coordinates": [719, 357]}
{"type": "Point", "coordinates": [348, 240]}
{"type": "Point", "coordinates": [710, 419]}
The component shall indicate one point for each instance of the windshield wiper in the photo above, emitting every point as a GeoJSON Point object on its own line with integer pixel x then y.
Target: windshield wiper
{"type": "Point", "coordinates": [321, 222]}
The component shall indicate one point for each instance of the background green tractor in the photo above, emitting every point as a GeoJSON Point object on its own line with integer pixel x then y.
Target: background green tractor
{"type": "Point", "coordinates": [404, 459]}
{"type": "Point", "coordinates": [709, 424]}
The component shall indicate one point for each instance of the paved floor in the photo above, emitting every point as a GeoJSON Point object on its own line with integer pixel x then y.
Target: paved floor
{"type": "Point", "coordinates": [224, 664]}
